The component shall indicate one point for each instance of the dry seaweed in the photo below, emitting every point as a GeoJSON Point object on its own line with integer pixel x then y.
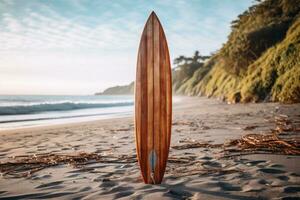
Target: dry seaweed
{"type": "Point", "coordinates": [282, 140]}
{"type": "Point", "coordinates": [182, 123]}
{"type": "Point", "coordinates": [247, 128]}
{"type": "Point", "coordinates": [197, 145]}
{"type": "Point", "coordinates": [182, 160]}
{"type": "Point", "coordinates": [267, 143]}
{"type": "Point", "coordinates": [25, 165]}
{"type": "Point", "coordinates": [255, 143]}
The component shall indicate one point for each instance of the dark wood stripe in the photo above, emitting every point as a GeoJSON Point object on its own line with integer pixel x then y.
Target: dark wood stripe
{"type": "Point", "coordinates": [150, 92]}
{"type": "Point", "coordinates": [157, 99]}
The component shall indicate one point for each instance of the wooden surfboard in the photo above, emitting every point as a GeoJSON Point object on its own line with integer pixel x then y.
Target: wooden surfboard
{"type": "Point", "coordinates": [153, 102]}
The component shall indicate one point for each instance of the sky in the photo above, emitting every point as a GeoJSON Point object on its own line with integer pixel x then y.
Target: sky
{"type": "Point", "coordinates": [70, 47]}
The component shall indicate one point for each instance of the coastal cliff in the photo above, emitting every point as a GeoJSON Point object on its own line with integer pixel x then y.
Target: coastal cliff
{"type": "Point", "coordinates": [259, 62]}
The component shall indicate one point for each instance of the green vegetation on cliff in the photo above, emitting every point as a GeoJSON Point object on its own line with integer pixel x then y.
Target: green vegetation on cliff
{"type": "Point", "coordinates": [260, 60]}
{"type": "Point", "coordinates": [276, 74]}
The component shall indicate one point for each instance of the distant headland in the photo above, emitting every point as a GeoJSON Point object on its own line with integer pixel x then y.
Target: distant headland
{"type": "Point", "coordinates": [118, 90]}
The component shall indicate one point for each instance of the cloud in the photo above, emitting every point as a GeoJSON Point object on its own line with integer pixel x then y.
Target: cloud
{"type": "Point", "coordinates": [107, 26]}
{"type": "Point", "coordinates": [36, 31]}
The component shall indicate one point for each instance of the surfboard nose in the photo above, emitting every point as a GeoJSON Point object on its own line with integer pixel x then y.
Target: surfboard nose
{"type": "Point", "coordinates": [153, 16]}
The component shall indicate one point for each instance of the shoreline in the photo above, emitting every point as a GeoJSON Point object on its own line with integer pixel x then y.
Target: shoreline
{"type": "Point", "coordinates": [43, 127]}
{"type": "Point", "coordinates": [51, 125]}
{"type": "Point", "coordinates": [30, 123]}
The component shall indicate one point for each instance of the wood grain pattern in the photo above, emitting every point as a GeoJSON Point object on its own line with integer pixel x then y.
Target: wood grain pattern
{"type": "Point", "coordinates": [153, 102]}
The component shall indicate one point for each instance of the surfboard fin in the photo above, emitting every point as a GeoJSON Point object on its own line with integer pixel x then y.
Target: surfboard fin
{"type": "Point", "coordinates": [152, 161]}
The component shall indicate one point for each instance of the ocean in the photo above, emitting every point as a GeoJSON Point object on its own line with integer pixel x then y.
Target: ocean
{"type": "Point", "coordinates": [18, 111]}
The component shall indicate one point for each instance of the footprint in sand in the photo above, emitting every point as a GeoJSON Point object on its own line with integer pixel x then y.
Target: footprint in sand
{"type": "Point", "coordinates": [283, 178]}
{"type": "Point", "coordinates": [255, 185]}
{"type": "Point", "coordinates": [255, 162]}
{"type": "Point", "coordinates": [123, 194]}
{"type": "Point", "coordinates": [3, 154]}
{"type": "Point", "coordinates": [228, 187]}
{"type": "Point", "coordinates": [125, 166]}
{"type": "Point", "coordinates": [51, 184]}
{"type": "Point", "coordinates": [223, 185]}
{"type": "Point", "coordinates": [291, 189]}
{"type": "Point", "coordinates": [55, 195]}
{"type": "Point", "coordinates": [46, 176]}
{"type": "Point", "coordinates": [290, 198]}
{"type": "Point", "coordinates": [295, 174]}
{"type": "Point", "coordinates": [73, 175]}
{"type": "Point", "coordinates": [116, 189]}
{"type": "Point", "coordinates": [178, 194]}
{"type": "Point", "coordinates": [65, 148]}
{"type": "Point", "coordinates": [206, 158]}
{"type": "Point", "coordinates": [107, 184]}
{"type": "Point", "coordinates": [212, 164]}
{"type": "Point", "coordinates": [277, 166]}
{"type": "Point", "coordinates": [85, 189]}
{"type": "Point", "coordinates": [271, 171]}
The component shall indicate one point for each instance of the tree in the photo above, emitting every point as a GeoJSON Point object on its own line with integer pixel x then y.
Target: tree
{"type": "Point", "coordinates": [196, 57]}
{"type": "Point", "coordinates": [179, 60]}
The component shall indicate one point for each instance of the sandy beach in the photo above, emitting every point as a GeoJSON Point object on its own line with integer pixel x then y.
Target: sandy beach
{"type": "Point", "coordinates": [193, 172]}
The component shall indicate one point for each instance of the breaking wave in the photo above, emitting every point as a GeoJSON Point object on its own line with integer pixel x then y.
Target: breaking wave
{"type": "Point", "coordinates": [61, 106]}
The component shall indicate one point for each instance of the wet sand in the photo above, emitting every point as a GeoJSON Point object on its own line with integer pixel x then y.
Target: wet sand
{"type": "Point", "coordinates": [193, 173]}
